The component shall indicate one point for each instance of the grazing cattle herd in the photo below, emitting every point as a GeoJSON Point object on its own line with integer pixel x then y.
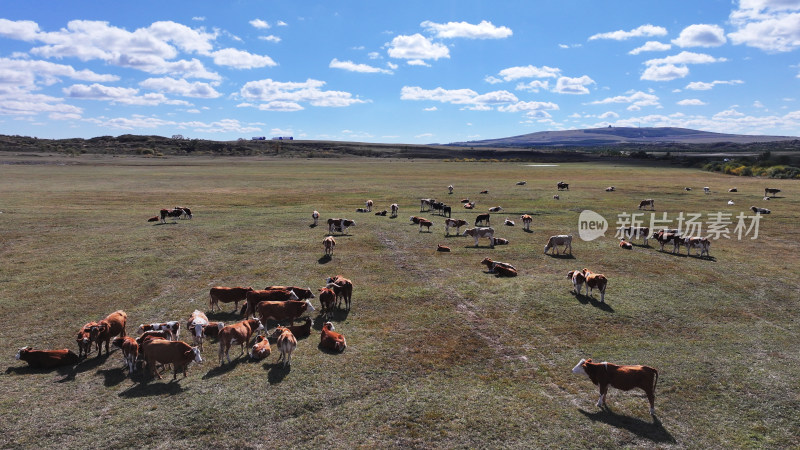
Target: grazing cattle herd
{"type": "Point", "coordinates": [158, 343]}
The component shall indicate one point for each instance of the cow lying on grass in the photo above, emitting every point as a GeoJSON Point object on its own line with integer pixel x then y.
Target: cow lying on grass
{"type": "Point", "coordinates": [500, 268]}
{"type": "Point", "coordinates": [47, 359]}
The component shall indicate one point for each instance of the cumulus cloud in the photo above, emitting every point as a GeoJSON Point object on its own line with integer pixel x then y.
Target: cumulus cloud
{"type": "Point", "coordinates": [608, 115]}
{"type": "Point", "coordinates": [19, 103]}
{"type": "Point", "coordinates": [353, 67]}
{"type": "Point", "coordinates": [636, 100]}
{"type": "Point", "coordinates": [309, 91]}
{"type": "Point", "coordinates": [691, 102]}
{"type": "Point", "coordinates": [515, 73]}
{"type": "Point", "coordinates": [260, 24]}
{"type": "Point", "coordinates": [672, 67]}
{"type": "Point", "coordinates": [529, 106]}
{"type": "Point", "coordinates": [118, 95]}
{"type": "Point", "coordinates": [241, 59]}
{"type": "Point", "coordinates": [704, 86]}
{"type": "Point", "coordinates": [620, 35]}
{"type": "Point", "coordinates": [567, 85]}
{"type": "Point", "coordinates": [483, 30]}
{"type": "Point", "coordinates": [650, 46]}
{"type": "Point", "coordinates": [181, 87]}
{"type": "Point", "coordinates": [467, 97]}
{"type": "Point", "coordinates": [534, 86]}
{"type": "Point", "coordinates": [701, 35]}
{"type": "Point", "coordinates": [416, 48]}
{"type": "Point", "coordinates": [769, 25]}
{"type": "Point", "coordinates": [270, 38]}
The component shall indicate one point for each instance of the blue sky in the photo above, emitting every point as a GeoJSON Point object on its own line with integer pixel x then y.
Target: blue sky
{"type": "Point", "coordinates": [404, 72]}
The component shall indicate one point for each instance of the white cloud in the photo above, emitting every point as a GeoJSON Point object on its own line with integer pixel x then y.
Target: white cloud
{"type": "Point", "coordinates": [701, 35]}
{"type": "Point", "coordinates": [280, 106]}
{"type": "Point", "coordinates": [672, 67]}
{"type": "Point", "coordinates": [691, 102]}
{"type": "Point", "coordinates": [374, 55]}
{"type": "Point", "coordinates": [650, 46]}
{"type": "Point", "coordinates": [685, 58]}
{"type": "Point", "coordinates": [309, 91]}
{"type": "Point", "coordinates": [515, 73]}
{"type": "Point", "coordinates": [260, 24]}
{"type": "Point", "coordinates": [199, 18]}
{"type": "Point", "coordinates": [620, 35]}
{"type": "Point", "coordinates": [567, 85]}
{"type": "Point", "coordinates": [417, 62]}
{"type": "Point", "coordinates": [636, 99]}
{"type": "Point", "coordinates": [664, 72]}
{"type": "Point", "coordinates": [391, 65]}
{"type": "Point", "coordinates": [181, 87]}
{"type": "Point", "coordinates": [353, 67]}
{"type": "Point", "coordinates": [270, 38]}
{"type": "Point", "coordinates": [608, 115]}
{"type": "Point", "coordinates": [241, 59]}
{"type": "Point", "coordinates": [704, 86]}
{"type": "Point", "coordinates": [492, 79]}
{"type": "Point", "coordinates": [529, 106]}
{"type": "Point", "coordinates": [23, 30]}
{"type": "Point", "coordinates": [432, 108]}
{"type": "Point", "coordinates": [483, 30]}
{"type": "Point", "coordinates": [769, 25]}
{"type": "Point", "coordinates": [118, 95]}
{"type": "Point", "coordinates": [468, 97]}
{"type": "Point", "coordinates": [758, 104]}
{"type": "Point", "coordinates": [534, 86]}
{"type": "Point", "coordinates": [18, 103]}
{"type": "Point", "coordinates": [416, 48]}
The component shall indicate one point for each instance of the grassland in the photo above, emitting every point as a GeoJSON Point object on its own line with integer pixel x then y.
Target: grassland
{"type": "Point", "coordinates": [440, 354]}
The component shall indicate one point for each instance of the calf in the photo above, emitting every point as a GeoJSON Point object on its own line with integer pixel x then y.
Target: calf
{"type": "Point", "coordinates": [178, 353]}
{"type": "Point", "coordinates": [361, 210]}
{"type": "Point", "coordinates": [329, 242]}
{"type": "Point", "coordinates": [327, 298]}
{"type": "Point", "coordinates": [503, 271]}
{"type": "Point", "coordinates": [555, 241]}
{"type": "Point", "coordinates": [172, 328]}
{"type": "Point", "coordinates": [625, 244]}
{"type": "Point", "coordinates": [701, 243]}
{"type": "Point", "coordinates": [526, 221]}
{"type": "Point", "coordinates": [343, 290]}
{"type": "Point", "coordinates": [578, 280]}
{"type": "Point", "coordinates": [130, 351]}
{"type": "Point", "coordinates": [455, 223]}
{"type": "Point", "coordinates": [482, 219]}
{"type": "Point", "coordinates": [238, 333]}
{"type": "Point", "coordinates": [84, 339]}
{"type": "Point", "coordinates": [153, 219]}
{"type": "Point", "coordinates": [260, 349]}
{"type": "Point", "coordinates": [222, 294]}
{"type": "Point", "coordinates": [272, 295]}
{"type": "Point", "coordinates": [286, 344]}
{"type": "Point", "coordinates": [687, 189]}
{"type": "Point", "coordinates": [331, 340]}
{"type": "Point", "coordinates": [425, 223]}
{"type": "Point", "coordinates": [113, 325]}
{"type": "Point", "coordinates": [595, 281]}
{"type": "Point", "coordinates": [195, 324]}
{"type": "Point", "coordinates": [47, 359]}
{"type": "Point", "coordinates": [624, 378]}
{"type": "Point", "coordinates": [649, 202]}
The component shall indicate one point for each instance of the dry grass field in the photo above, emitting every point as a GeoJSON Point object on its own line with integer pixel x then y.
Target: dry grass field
{"type": "Point", "coordinates": [440, 353]}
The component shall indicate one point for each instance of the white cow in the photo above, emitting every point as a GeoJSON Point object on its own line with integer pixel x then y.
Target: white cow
{"type": "Point", "coordinates": [454, 223]}
{"type": "Point", "coordinates": [395, 209]}
{"type": "Point", "coordinates": [561, 239]}
{"type": "Point", "coordinates": [315, 216]}
{"type": "Point", "coordinates": [480, 232]}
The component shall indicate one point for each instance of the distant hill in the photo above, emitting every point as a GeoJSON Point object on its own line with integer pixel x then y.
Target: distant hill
{"type": "Point", "coordinates": [622, 135]}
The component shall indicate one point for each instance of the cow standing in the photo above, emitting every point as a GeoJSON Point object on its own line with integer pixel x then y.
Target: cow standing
{"type": "Point", "coordinates": [130, 351]}
{"type": "Point", "coordinates": [555, 241]}
{"type": "Point", "coordinates": [481, 232]}
{"type": "Point", "coordinates": [454, 223]}
{"type": "Point", "coordinates": [343, 289]}
{"type": "Point", "coordinates": [315, 218]}
{"type": "Point", "coordinates": [178, 353]}
{"type": "Point", "coordinates": [222, 294]}
{"type": "Point", "coordinates": [526, 221]}
{"type": "Point", "coordinates": [624, 378]}
{"type": "Point", "coordinates": [595, 281]}
{"type": "Point", "coordinates": [113, 325]}
{"type": "Point", "coordinates": [286, 344]}
{"type": "Point", "coordinates": [329, 242]}
{"type": "Point", "coordinates": [395, 209]}
{"type": "Point", "coordinates": [238, 333]}
{"type": "Point", "coordinates": [649, 202]}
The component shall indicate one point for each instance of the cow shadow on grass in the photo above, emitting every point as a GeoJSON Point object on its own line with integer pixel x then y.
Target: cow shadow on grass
{"type": "Point", "coordinates": [225, 368]}
{"type": "Point", "coordinates": [67, 372]}
{"type": "Point", "coordinates": [222, 316]}
{"type": "Point", "coordinates": [145, 389]}
{"type": "Point", "coordinates": [312, 225]}
{"type": "Point", "coordinates": [589, 300]}
{"type": "Point", "coordinates": [653, 431]}
{"type": "Point", "coordinates": [277, 372]}
{"type": "Point", "coordinates": [560, 255]}
{"type": "Point", "coordinates": [112, 377]}
{"type": "Point", "coordinates": [479, 247]}
{"type": "Point", "coordinates": [325, 259]}
{"type": "Point", "coordinates": [527, 231]}
{"type": "Point", "coordinates": [164, 223]}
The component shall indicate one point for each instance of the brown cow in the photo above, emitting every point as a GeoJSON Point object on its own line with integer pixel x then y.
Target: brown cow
{"type": "Point", "coordinates": [260, 349]}
{"type": "Point", "coordinates": [500, 268]}
{"type": "Point", "coordinates": [329, 242]}
{"type": "Point", "coordinates": [266, 295]}
{"type": "Point", "coordinates": [343, 290]}
{"type": "Point", "coordinates": [286, 344]}
{"type": "Point", "coordinates": [327, 298]}
{"type": "Point", "coordinates": [526, 221]}
{"type": "Point", "coordinates": [625, 378]}
{"type": "Point", "coordinates": [282, 311]}
{"type": "Point", "coordinates": [331, 340]}
{"type": "Point", "coordinates": [130, 351]}
{"type": "Point", "coordinates": [301, 293]}
{"type": "Point", "coordinates": [625, 244]}
{"type": "Point", "coordinates": [178, 353]}
{"type": "Point", "coordinates": [238, 333]}
{"type": "Point", "coordinates": [222, 294]}
{"type": "Point", "coordinates": [577, 280]}
{"type": "Point", "coordinates": [595, 281]}
{"type": "Point", "coordinates": [113, 325]}
{"type": "Point", "coordinates": [84, 339]}
{"type": "Point", "coordinates": [47, 359]}
{"type": "Point", "coordinates": [425, 223]}
{"type": "Point", "coordinates": [442, 248]}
